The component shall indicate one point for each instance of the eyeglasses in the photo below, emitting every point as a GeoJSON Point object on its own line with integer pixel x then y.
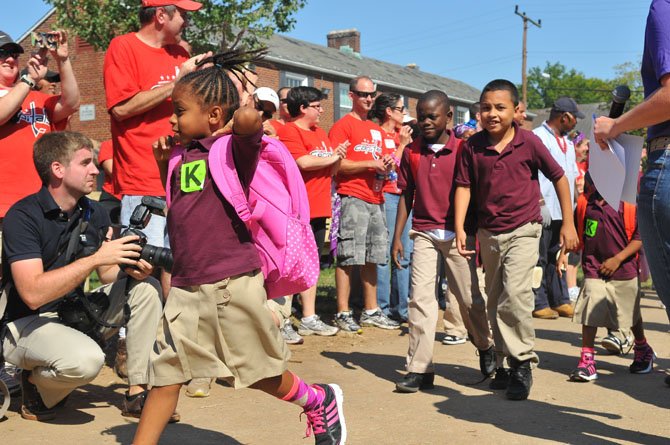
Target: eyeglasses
{"type": "Point", "coordinates": [4, 54]}
{"type": "Point", "coordinates": [371, 94]}
{"type": "Point", "coordinates": [283, 101]}
{"type": "Point", "coordinates": [316, 106]}
{"type": "Point", "coordinates": [401, 109]}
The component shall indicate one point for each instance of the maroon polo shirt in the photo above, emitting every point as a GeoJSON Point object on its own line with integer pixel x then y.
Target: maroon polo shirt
{"type": "Point", "coordinates": [433, 188]}
{"type": "Point", "coordinates": [504, 185]}
{"type": "Point", "coordinates": [605, 236]}
{"type": "Point", "coordinates": [209, 241]}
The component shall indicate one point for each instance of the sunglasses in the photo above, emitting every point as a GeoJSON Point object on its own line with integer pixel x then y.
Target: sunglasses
{"type": "Point", "coordinates": [4, 54]}
{"type": "Point", "coordinates": [401, 109]}
{"type": "Point", "coordinates": [371, 94]}
{"type": "Point", "coordinates": [283, 101]}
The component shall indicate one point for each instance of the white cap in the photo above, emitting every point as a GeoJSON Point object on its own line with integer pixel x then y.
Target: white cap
{"type": "Point", "coordinates": [266, 94]}
{"type": "Point", "coordinates": [406, 119]}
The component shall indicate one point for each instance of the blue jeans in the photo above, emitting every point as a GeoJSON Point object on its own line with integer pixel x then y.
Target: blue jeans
{"type": "Point", "coordinates": [654, 221]}
{"type": "Point", "coordinates": [393, 283]}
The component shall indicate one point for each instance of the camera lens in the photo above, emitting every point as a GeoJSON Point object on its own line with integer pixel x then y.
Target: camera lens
{"type": "Point", "coordinates": [157, 256]}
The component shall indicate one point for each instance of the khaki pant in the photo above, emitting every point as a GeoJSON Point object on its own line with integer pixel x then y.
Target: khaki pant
{"type": "Point", "coordinates": [509, 259]}
{"type": "Point", "coordinates": [423, 308]}
{"type": "Point", "coordinates": [62, 359]}
{"type": "Point", "coordinates": [453, 314]}
{"type": "Point", "coordinates": [281, 307]}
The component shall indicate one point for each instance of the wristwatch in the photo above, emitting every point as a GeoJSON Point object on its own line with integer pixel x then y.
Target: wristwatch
{"type": "Point", "coordinates": [28, 81]}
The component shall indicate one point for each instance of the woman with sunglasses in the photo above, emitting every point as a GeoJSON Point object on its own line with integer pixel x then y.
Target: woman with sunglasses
{"type": "Point", "coordinates": [393, 283]}
{"type": "Point", "coordinates": [318, 161]}
{"type": "Point", "coordinates": [26, 114]}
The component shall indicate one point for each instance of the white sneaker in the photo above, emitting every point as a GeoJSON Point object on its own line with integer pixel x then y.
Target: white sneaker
{"type": "Point", "coordinates": [290, 335]}
{"type": "Point", "coordinates": [316, 327]}
{"type": "Point", "coordinates": [379, 320]}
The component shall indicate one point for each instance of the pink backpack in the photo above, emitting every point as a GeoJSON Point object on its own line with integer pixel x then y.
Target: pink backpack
{"type": "Point", "coordinates": [276, 213]}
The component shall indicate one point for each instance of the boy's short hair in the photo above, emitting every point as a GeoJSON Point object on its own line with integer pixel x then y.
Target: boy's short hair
{"type": "Point", "coordinates": [59, 146]}
{"type": "Point", "coordinates": [502, 85]}
{"type": "Point", "coordinates": [436, 95]}
{"type": "Point", "coordinates": [301, 96]}
{"type": "Point", "coordinates": [474, 109]}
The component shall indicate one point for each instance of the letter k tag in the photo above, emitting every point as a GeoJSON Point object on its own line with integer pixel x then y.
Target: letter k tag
{"type": "Point", "coordinates": [193, 176]}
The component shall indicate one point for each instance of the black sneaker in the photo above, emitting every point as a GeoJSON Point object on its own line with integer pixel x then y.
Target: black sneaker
{"type": "Point", "coordinates": [132, 406]}
{"type": "Point", "coordinates": [414, 381]}
{"type": "Point", "coordinates": [487, 361]}
{"type": "Point", "coordinates": [520, 380]}
{"type": "Point", "coordinates": [501, 379]}
{"type": "Point", "coordinates": [643, 362]}
{"type": "Point", "coordinates": [32, 406]}
{"type": "Point", "coordinates": [326, 421]}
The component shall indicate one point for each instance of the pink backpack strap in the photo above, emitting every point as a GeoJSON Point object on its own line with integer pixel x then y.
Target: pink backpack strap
{"type": "Point", "coordinates": [175, 157]}
{"type": "Point", "coordinates": [224, 173]}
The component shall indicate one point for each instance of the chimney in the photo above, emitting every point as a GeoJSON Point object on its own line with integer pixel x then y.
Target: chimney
{"type": "Point", "coordinates": [345, 37]}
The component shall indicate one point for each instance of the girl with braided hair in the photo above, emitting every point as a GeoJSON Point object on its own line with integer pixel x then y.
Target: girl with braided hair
{"type": "Point", "coordinates": [216, 321]}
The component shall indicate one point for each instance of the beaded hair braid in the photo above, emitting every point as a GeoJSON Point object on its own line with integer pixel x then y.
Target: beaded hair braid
{"type": "Point", "coordinates": [213, 86]}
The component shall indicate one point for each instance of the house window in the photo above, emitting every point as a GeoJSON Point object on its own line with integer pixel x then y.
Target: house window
{"type": "Point", "coordinates": [462, 115]}
{"type": "Point", "coordinates": [294, 80]}
{"type": "Point", "coordinates": [342, 100]}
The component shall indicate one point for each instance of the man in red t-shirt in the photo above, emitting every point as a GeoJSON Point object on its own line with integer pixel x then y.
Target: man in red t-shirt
{"type": "Point", "coordinates": [362, 235]}
{"type": "Point", "coordinates": [140, 71]}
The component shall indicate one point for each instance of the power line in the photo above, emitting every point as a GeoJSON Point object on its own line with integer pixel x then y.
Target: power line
{"type": "Point", "coordinates": [524, 52]}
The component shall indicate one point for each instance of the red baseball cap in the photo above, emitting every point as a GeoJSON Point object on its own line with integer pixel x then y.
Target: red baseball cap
{"type": "Point", "coordinates": [186, 5]}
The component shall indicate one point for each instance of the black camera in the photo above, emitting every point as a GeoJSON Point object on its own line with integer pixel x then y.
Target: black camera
{"type": "Point", "coordinates": [156, 256]}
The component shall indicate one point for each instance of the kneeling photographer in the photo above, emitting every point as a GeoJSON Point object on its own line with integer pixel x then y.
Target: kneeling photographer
{"type": "Point", "coordinates": [52, 241]}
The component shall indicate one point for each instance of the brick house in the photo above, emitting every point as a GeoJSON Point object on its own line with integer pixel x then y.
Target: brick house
{"type": "Point", "coordinates": [290, 62]}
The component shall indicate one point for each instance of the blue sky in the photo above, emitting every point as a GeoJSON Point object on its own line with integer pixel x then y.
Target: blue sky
{"type": "Point", "coordinates": [473, 41]}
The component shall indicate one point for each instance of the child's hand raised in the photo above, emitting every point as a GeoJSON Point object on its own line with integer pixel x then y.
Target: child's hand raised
{"type": "Point", "coordinates": [162, 149]}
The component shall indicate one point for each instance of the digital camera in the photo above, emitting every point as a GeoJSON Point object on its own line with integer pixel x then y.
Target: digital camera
{"type": "Point", "coordinates": [156, 256]}
{"type": "Point", "coordinates": [47, 40]}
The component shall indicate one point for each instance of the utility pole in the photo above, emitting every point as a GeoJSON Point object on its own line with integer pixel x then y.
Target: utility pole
{"type": "Point", "coordinates": [524, 52]}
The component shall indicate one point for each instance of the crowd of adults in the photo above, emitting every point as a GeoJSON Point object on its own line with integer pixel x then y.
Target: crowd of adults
{"type": "Point", "coordinates": [386, 181]}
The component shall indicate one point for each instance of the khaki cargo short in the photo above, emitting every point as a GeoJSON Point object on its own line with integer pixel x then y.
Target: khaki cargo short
{"type": "Point", "coordinates": [220, 330]}
{"type": "Point", "coordinates": [608, 304]}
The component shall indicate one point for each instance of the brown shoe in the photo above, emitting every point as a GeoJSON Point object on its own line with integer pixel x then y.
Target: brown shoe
{"type": "Point", "coordinates": [120, 366]}
{"type": "Point", "coordinates": [133, 405]}
{"type": "Point", "coordinates": [546, 314]}
{"type": "Point", "coordinates": [565, 310]}
{"type": "Point", "coordinates": [32, 406]}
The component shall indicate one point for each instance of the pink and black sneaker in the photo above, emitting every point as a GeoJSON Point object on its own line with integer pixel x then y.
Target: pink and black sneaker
{"type": "Point", "coordinates": [326, 420]}
{"type": "Point", "coordinates": [586, 369]}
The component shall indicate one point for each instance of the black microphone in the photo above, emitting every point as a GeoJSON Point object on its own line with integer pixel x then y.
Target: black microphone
{"type": "Point", "coordinates": [620, 96]}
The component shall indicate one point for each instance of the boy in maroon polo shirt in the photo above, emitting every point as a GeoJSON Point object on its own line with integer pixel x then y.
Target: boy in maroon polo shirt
{"type": "Point", "coordinates": [611, 294]}
{"type": "Point", "coordinates": [499, 167]}
{"type": "Point", "coordinates": [425, 182]}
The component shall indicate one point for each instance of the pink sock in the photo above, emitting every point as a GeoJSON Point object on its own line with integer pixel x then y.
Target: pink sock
{"type": "Point", "coordinates": [303, 394]}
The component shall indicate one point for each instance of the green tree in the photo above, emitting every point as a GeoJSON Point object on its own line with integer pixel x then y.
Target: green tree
{"type": "Point", "coordinates": [555, 80]}
{"type": "Point", "coordinates": [213, 27]}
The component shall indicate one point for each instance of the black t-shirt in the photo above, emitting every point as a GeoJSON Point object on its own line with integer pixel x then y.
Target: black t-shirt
{"type": "Point", "coordinates": [35, 227]}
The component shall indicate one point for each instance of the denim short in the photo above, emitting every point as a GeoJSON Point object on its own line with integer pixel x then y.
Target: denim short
{"type": "Point", "coordinates": [362, 237]}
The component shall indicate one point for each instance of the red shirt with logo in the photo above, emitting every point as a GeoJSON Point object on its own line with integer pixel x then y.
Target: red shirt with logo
{"type": "Point", "coordinates": [131, 67]}
{"type": "Point", "coordinates": [366, 142]}
{"type": "Point", "coordinates": [18, 177]}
